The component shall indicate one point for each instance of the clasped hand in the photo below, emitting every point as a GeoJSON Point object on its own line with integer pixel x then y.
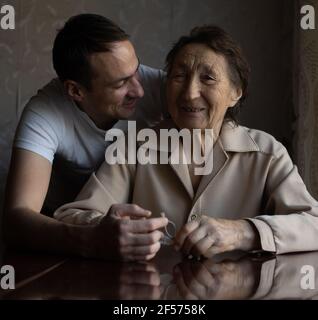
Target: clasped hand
{"type": "Point", "coordinates": [210, 236]}
{"type": "Point", "coordinates": [127, 233]}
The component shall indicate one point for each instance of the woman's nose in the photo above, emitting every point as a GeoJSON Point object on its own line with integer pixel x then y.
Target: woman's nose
{"type": "Point", "coordinates": [191, 90]}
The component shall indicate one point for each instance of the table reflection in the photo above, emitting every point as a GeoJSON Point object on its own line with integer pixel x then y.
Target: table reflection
{"type": "Point", "coordinates": [216, 280]}
{"type": "Point", "coordinates": [169, 276]}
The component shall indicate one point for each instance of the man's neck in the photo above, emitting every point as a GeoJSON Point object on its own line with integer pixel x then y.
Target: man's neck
{"type": "Point", "coordinates": [103, 124]}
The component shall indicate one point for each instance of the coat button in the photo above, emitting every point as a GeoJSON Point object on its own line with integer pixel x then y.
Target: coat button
{"type": "Point", "coordinates": [193, 217]}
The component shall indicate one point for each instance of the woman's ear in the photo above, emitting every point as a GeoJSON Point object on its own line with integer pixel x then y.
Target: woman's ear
{"type": "Point", "coordinates": [236, 95]}
{"type": "Point", "coordinates": [74, 90]}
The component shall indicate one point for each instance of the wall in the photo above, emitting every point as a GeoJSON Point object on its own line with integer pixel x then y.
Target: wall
{"type": "Point", "coordinates": [264, 29]}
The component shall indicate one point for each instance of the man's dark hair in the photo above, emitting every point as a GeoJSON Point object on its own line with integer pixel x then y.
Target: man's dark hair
{"type": "Point", "coordinates": [82, 36]}
{"type": "Point", "coordinates": [220, 42]}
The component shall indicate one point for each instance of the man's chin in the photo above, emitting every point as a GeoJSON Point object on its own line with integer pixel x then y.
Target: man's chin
{"type": "Point", "coordinates": [126, 113]}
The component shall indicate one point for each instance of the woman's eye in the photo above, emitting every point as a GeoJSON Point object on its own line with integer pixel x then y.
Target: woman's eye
{"type": "Point", "coordinates": [179, 75]}
{"type": "Point", "coordinates": [208, 78]}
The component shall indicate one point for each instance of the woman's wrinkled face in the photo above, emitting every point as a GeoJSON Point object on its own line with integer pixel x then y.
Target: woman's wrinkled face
{"type": "Point", "coordinates": [199, 90]}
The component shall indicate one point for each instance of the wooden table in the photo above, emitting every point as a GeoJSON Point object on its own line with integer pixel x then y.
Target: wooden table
{"type": "Point", "coordinates": [168, 276]}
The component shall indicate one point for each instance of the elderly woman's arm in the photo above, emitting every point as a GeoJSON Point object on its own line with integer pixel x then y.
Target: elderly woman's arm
{"type": "Point", "coordinates": [290, 222]}
{"type": "Point", "coordinates": [109, 185]}
{"type": "Point", "coordinates": [103, 204]}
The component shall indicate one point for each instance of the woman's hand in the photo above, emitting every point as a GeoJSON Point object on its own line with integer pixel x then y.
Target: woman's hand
{"type": "Point", "coordinates": [211, 236]}
{"type": "Point", "coordinates": [224, 280]}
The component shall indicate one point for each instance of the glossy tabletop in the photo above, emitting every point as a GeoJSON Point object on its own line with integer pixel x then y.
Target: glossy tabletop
{"type": "Point", "coordinates": [168, 276]}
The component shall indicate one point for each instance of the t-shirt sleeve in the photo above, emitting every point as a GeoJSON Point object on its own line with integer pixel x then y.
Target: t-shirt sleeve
{"type": "Point", "coordinates": [37, 133]}
{"type": "Point", "coordinates": [152, 108]}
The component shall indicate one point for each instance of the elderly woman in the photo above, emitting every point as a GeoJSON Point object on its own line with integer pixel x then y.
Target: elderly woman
{"type": "Point", "coordinates": [254, 198]}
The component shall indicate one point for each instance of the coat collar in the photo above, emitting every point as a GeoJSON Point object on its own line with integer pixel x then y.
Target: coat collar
{"type": "Point", "coordinates": [232, 138]}
{"type": "Point", "coordinates": [236, 138]}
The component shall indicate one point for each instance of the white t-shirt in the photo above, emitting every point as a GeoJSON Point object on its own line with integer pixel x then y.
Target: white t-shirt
{"type": "Point", "coordinates": [55, 128]}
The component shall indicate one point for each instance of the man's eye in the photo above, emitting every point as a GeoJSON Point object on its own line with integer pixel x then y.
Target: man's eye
{"type": "Point", "coordinates": [119, 85]}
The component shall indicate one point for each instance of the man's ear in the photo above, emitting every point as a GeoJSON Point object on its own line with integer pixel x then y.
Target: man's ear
{"type": "Point", "coordinates": [74, 90]}
{"type": "Point", "coordinates": [236, 95]}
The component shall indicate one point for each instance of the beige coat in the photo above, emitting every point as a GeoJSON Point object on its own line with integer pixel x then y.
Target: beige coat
{"type": "Point", "coordinates": [253, 177]}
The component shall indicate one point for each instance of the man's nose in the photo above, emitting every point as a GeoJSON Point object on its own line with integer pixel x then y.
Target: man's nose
{"type": "Point", "coordinates": [136, 87]}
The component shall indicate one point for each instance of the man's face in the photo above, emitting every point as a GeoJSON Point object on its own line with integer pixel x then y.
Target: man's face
{"type": "Point", "coordinates": [115, 87]}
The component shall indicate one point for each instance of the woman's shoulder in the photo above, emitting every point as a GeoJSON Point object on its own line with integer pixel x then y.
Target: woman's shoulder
{"type": "Point", "coordinates": [266, 142]}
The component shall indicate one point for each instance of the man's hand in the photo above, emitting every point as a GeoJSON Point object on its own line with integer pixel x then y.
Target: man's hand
{"type": "Point", "coordinates": [211, 236]}
{"type": "Point", "coordinates": [139, 281]}
{"type": "Point", "coordinates": [126, 233]}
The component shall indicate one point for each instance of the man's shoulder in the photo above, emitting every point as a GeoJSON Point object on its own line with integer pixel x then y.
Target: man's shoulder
{"type": "Point", "coordinates": [147, 70]}
{"type": "Point", "coordinates": [51, 102]}
{"type": "Point", "coordinates": [149, 75]}
{"type": "Point", "coordinates": [152, 106]}
{"type": "Point", "coordinates": [52, 96]}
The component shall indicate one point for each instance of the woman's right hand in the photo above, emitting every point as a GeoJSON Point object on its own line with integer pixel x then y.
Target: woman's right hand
{"type": "Point", "coordinates": [209, 280]}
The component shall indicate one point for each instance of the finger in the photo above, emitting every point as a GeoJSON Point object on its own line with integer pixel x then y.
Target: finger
{"type": "Point", "coordinates": [145, 258]}
{"type": "Point", "coordinates": [130, 210]}
{"type": "Point", "coordinates": [146, 225]}
{"type": "Point", "coordinates": [184, 232]}
{"type": "Point", "coordinates": [219, 268]}
{"type": "Point", "coordinates": [192, 238]}
{"type": "Point", "coordinates": [212, 251]}
{"type": "Point", "coordinates": [139, 266]}
{"type": "Point", "coordinates": [139, 239]}
{"type": "Point", "coordinates": [184, 291]}
{"type": "Point", "coordinates": [140, 250]}
{"type": "Point", "coordinates": [190, 280]}
{"type": "Point", "coordinates": [202, 274]}
{"type": "Point", "coordinates": [201, 246]}
{"type": "Point", "coordinates": [139, 258]}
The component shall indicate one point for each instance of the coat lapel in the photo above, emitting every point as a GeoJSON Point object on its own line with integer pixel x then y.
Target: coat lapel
{"type": "Point", "coordinates": [232, 139]}
{"type": "Point", "coordinates": [181, 170]}
{"type": "Point", "coordinates": [219, 158]}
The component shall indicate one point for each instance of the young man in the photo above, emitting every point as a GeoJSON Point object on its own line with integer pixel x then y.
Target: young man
{"type": "Point", "coordinates": [60, 141]}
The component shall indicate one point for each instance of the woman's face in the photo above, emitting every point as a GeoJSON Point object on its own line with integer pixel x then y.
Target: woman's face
{"type": "Point", "coordinates": [199, 90]}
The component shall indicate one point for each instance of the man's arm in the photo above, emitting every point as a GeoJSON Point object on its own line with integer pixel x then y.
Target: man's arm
{"type": "Point", "coordinates": [24, 226]}
{"type": "Point", "coordinates": [112, 238]}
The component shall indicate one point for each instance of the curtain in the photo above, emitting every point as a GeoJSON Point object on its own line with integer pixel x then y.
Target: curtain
{"type": "Point", "coordinates": [306, 140]}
